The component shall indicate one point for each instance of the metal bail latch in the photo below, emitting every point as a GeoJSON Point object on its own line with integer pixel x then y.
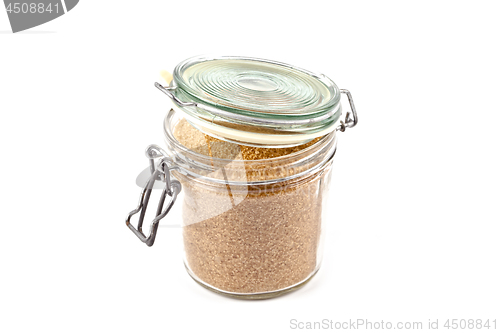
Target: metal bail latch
{"type": "Point", "coordinates": [159, 172]}
{"type": "Point", "coordinates": [348, 122]}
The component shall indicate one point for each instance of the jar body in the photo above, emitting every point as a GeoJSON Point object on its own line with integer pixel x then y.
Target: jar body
{"type": "Point", "coordinates": [253, 229]}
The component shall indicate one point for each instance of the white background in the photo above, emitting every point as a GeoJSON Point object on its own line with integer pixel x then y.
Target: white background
{"type": "Point", "coordinates": [414, 233]}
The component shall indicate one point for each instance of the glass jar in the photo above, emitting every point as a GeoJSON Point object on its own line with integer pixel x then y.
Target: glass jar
{"type": "Point", "coordinates": [255, 172]}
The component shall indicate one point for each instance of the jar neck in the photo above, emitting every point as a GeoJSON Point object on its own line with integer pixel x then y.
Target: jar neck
{"type": "Point", "coordinates": [238, 171]}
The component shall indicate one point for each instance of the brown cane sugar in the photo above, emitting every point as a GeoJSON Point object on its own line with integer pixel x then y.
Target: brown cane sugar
{"type": "Point", "coordinates": [250, 238]}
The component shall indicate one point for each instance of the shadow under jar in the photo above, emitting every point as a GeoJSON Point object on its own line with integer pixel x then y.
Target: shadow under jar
{"type": "Point", "coordinates": [254, 187]}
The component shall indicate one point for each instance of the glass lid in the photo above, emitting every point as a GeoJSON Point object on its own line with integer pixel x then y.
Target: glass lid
{"type": "Point", "coordinates": [255, 101]}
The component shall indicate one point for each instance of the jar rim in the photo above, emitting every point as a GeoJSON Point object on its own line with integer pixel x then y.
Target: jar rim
{"type": "Point", "coordinates": [314, 157]}
{"type": "Point", "coordinates": [170, 136]}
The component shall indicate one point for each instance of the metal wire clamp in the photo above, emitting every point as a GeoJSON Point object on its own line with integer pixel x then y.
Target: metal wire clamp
{"type": "Point", "coordinates": [348, 122]}
{"type": "Point", "coordinates": [159, 172]}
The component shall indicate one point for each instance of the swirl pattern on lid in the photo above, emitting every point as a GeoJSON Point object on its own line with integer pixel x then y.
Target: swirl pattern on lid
{"type": "Point", "coordinates": [255, 86]}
